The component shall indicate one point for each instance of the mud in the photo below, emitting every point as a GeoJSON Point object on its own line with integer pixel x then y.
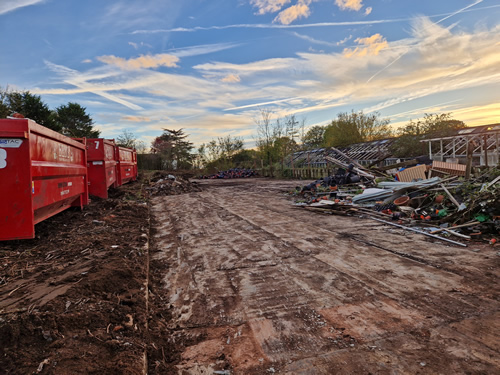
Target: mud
{"type": "Point", "coordinates": [263, 287]}
{"type": "Point", "coordinates": [234, 278]}
{"type": "Point", "coordinates": [72, 300]}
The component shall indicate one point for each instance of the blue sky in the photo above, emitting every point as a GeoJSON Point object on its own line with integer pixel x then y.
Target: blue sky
{"type": "Point", "coordinates": [211, 66]}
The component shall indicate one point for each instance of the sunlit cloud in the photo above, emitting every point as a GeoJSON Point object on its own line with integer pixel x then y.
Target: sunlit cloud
{"type": "Point", "coordinates": [369, 46]}
{"type": "Point", "coordinates": [349, 4]}
{"type": "Point", "coordinates": [11, 5]}
{"type": "Point", "coordinates": [368, 10]}
{"type": "Point", "coordinates": [308, 25]}
{"type": "Point", "coordinates": [254, 67]}
{"type": "Point", "coordinates": [86, 61]}
{"type": "Point", "coordinates": [231, 78]}
{"type": "Point", "coordinates": [299, 10]}
{"type": "Point", "coordinates": [475, 115]}
{"type": "Point", "coordinates": [415, 112]}
{"type": "Point", "coordinates": [136, 118]}
{"type": "Point", "coordinates": [438, 59]}
{"type": "Point", "coordinates": [268, 6]}
{"type": "Point", "coordinates": [143, 61]}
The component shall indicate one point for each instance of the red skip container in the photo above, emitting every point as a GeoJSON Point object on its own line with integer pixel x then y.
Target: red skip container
{"type": "Point", "coordinates": [102, 166]}
{"type": "Point", "coordinates": [41, 174]}
{"type": "Point", "coordinates": [127, 165]}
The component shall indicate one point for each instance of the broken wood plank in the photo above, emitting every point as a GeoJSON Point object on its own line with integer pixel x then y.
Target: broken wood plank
{"type": "Point", "coordinates": [348, 158]}
{"type": "Point", "coordinates": [452, 198]}
{"type": "Point", "coordinates": [345, 165]}
{"type": "Point", "coordinates": [457, 226]}
{"type": "Point", "coordinates": [419, 231]}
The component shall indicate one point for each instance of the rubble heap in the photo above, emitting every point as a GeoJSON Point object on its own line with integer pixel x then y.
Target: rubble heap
{"type": "Point", "coordinates": [163, 183]}
{"type": "Point", "coordinates": [443, 206]}
{"type": "Point", "coordinates": [232, 173]}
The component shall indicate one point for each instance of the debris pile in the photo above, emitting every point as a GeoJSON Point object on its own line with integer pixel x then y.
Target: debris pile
{"type": "Point", "coordinates": [443, 206]}
{"type": "Point", "coordinates": [163, 183]}
{"type": "Point", "coordinates": [232, 173]}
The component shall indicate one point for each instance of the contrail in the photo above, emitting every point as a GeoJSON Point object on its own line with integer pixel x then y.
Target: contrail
{"type": "Point", "coordinates": [321, 24]}
{"type": "Point", "coordinates": [264, 103]}
{"type": "Point", "coordinates": [267, 26]}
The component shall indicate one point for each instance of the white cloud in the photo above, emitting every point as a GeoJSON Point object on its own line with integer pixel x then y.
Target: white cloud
{"type": "Point", "coordinates": [86, 61]}
{"type": "Point", "coordinates": [139, 45]}
{"type": "Point", "coordinates": [11, 5]}
{"type": "Point", "coordinates": [315, 41]}
{"type": "Point", "coordinates": [343, 41]}
{"type": "Point", "coordinates": [368, 10]}
{"type": "Point", "coordinates": [349, 4]}
{"type": "Point", "coordinates": [202, 49]}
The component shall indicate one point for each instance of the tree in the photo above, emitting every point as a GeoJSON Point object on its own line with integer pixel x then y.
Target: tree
{"type": "Point", "coordinates": [174, 147]}
{"type": "Point", "coordinates": [129, 140]}
{"type": "Point", "coordinates": [314, 138]}
{"type": "Point", "coordinates": [126, 139]}
{"type": "Point", "coordinates": [218, 154]}
{"type": "Point", "coordinates": [267, 133]}
{"type": "Point", "coordinates": [356, 127]}
{"type": "Point", "coordinates": [75, 122]}
{"type": "Point", "coordinates": [431, 126]}
{"type": "Point", "coordinates": [29, 105]}
{"type": "Point", "coordinates": [245, 158]}
{"type": "Point", "coordinates": [4, 103]}
{"type": "Point", "coordinates": [141, 147]}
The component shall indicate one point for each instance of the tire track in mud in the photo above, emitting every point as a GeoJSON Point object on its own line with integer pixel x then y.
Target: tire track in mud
{"type": "Point", "coordinates": [246, 270]}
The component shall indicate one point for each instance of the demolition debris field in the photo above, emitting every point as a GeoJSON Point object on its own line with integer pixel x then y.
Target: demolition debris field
{"type": "Point", "coordinates": [233, 279]}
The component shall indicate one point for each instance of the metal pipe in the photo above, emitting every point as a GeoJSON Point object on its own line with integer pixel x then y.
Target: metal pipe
{"type": "Point", "coordinates": [419, 231]}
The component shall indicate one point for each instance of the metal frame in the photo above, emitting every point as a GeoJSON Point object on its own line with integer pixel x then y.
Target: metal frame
{"type": "Point", "coordinates": [485, 141]}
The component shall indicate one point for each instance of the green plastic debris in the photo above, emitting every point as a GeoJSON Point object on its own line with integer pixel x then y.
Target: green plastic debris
{"type": "Point", "coordinates": [443, 212]}
{"type": "Point", "coordinates": [482, 217]}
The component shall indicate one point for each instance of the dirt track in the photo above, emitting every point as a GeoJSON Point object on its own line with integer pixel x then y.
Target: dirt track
{"type": "Point", "coordinates": [257, 286]}
{"type": "Point", "coordinates": [235, 280]}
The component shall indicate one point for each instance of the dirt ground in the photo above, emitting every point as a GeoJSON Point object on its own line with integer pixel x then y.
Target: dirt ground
{"type": "Point", "coordinates": [235, 280]}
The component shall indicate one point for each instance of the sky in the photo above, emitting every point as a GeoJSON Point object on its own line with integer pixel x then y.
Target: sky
{"type": "Point", "coordinates": [211, 66]}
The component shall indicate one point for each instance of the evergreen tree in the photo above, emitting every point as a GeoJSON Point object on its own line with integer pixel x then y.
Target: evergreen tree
{"type": "Point", "coordinates": [75, 122]}
{"type": "Point", "coordinates": [29, 105]}
{"type": "Point", "coordinates": [174, 147]}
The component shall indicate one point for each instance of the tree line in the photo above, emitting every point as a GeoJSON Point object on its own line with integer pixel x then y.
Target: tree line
{"type": "Point", "coordinates": [275, 137]}
{"type": "Point", "coordinates": [69, 119]}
